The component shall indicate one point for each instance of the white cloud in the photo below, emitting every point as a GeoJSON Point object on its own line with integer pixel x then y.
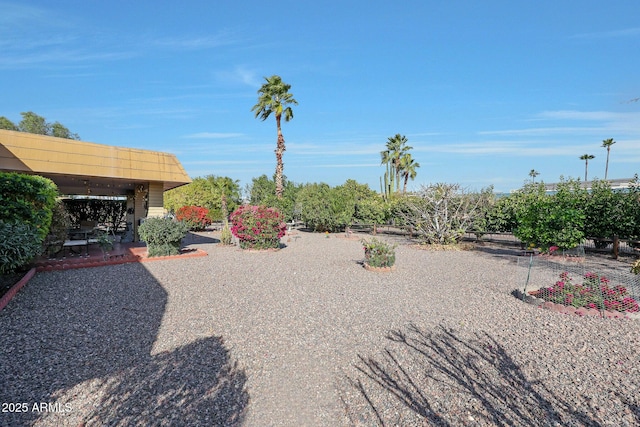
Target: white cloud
{"type": "Point", "coordinates": [194, 42]}
{"type": "Point", "coordinates": [213, 135]}
{"type": "Point", "coordinates": [239, 75]}
{"type": "Point", "coordinates": [543, 131]}
{"type": "Point", "coordinates": [511, 148]}
{"type": "Point", "coordinates": [334, 148]}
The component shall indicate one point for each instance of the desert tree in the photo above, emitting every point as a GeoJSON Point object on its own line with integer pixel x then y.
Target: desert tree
{"type": "Point", "coordinates": [442, 213]}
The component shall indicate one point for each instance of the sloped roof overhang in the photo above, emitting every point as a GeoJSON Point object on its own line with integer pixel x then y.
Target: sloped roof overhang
{"type": "Point", "coordinates": [77, 166]}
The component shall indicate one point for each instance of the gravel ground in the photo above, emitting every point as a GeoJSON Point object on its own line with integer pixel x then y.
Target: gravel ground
{"type": "Point", "coordinates": [307, 337]}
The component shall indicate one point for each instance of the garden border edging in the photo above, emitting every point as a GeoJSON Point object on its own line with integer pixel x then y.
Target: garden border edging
{"type": "Point", "coordinates": [15, 288]}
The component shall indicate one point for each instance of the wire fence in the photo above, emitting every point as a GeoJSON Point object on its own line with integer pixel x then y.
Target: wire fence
{"type": "Point", "coordinates": [578, 282]}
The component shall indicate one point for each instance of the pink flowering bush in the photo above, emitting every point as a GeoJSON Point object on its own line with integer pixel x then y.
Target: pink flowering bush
{"type": "Point", "coordinates": [594, 292]}
{"type": "Point", "coordinates": [258, 227]}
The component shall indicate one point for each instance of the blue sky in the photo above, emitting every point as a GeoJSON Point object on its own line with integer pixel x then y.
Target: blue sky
{"type": "Point", "coordinates": [484, 91]}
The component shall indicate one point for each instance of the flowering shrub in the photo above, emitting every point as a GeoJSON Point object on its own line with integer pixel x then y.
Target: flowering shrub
{"type": "Point", "coordinates": [378, 253]}
{"type": "Point", "coordinates": [196, 217]}
{"type": "Point", "coordinates": [594, 292]}
{"type": "Point", "coordinates": [258, 227]}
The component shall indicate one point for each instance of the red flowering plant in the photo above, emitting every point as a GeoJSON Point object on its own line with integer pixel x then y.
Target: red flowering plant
{"type": "Point", "coordinates": [594, 292]}
{"type": "Point", "coordinates": [258, 227]}
{"type": "Point", "coordinates": [196, 217]}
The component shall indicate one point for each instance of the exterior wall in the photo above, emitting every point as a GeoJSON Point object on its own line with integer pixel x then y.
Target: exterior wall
{"type": "Point", "coordinates": [156, 200]}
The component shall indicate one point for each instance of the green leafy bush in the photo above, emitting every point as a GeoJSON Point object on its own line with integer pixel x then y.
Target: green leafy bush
{"type": "Point", "coordinates": [378, 253]}
{"type": "Point", "coordinates": [262, 191]}
{"type": "Point", "coordinates": [325, 208]}
{"type": "Point", "coordinates": [258, 227]}
{"type": "Point", "coordinates": [371, 210]}
{"type": "Point", "coordinates": [547, 220]}
{"type": "Point", "coordinates": [19, 244]}
{"type": "Point", "coordinates": [27, 199]}
{"type": "Point", "coordinates": [207, 192]}
{"type": "Point", "coordinates": [162, 236]}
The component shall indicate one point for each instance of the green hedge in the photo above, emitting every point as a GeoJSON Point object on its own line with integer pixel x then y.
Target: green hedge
{"type": "Point", "coordinates": [27, 199]}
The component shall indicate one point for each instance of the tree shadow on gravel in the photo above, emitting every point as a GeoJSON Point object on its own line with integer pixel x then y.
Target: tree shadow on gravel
{"type": "Point", "coordinates": [81, 341]}
{"type": "Point", "coordinates": [194, 385]}
{"type": "Point", "coordinates": [417, 379]}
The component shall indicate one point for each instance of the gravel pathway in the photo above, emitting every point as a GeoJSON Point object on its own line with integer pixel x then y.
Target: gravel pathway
{"type": "Point", "coordinates": [306, 337]}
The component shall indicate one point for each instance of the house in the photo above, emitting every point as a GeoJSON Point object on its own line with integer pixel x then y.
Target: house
{"type": "Point", "coordinates": [90, 169]}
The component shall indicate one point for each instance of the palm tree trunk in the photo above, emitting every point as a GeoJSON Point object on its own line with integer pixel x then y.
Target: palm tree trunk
{"type": "Point", "coordinates": [586, 167]}
{"type": "Point", "coordinates": [606, 168]}
{"type": "Point", "coordinates": [280, 148]}
{"type": "Point", "coordinates": [406, 179]}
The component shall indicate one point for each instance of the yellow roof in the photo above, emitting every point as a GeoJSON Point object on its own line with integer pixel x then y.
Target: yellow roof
{"type": "Point", "coordinates": [51, 156]}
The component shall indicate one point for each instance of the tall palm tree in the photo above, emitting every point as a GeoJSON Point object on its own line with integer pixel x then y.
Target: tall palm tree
{"type": "Point", "coordinates": [396, 148]}
{"type": "Point", "coordinates": [607, 143]}
{"type": "Point", "coordinates": [533, 173]}
{"type": "Point", "coordinates": [275, 98]}
{"type": "Point", "coordinates": [408, 167]}
{"type": "Point", "coordinates": [586, 158]}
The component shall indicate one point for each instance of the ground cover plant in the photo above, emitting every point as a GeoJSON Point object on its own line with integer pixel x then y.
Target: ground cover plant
{"type": "Point", "coordinates": [595, 292]}
{"type": "Point", "coordinates": [258, 227]}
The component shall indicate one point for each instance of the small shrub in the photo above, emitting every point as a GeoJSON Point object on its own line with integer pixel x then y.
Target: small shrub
{"type": "Point", "coordinates": [162, 236]}
{"type": "Point", "coordinates": [258, 227]}
{"type": "Point", "coordinates": [196, 217]}
{"type": "Point", "coordinates": [378, 253]}
{"type": "Point", "coordinates": [225, 235]}
{"type": "Point", "coordinates": [19, 244]}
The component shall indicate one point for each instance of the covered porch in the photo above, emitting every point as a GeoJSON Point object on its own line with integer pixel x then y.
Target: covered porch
{"type": "Point", "coordinates": [86, 169]}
